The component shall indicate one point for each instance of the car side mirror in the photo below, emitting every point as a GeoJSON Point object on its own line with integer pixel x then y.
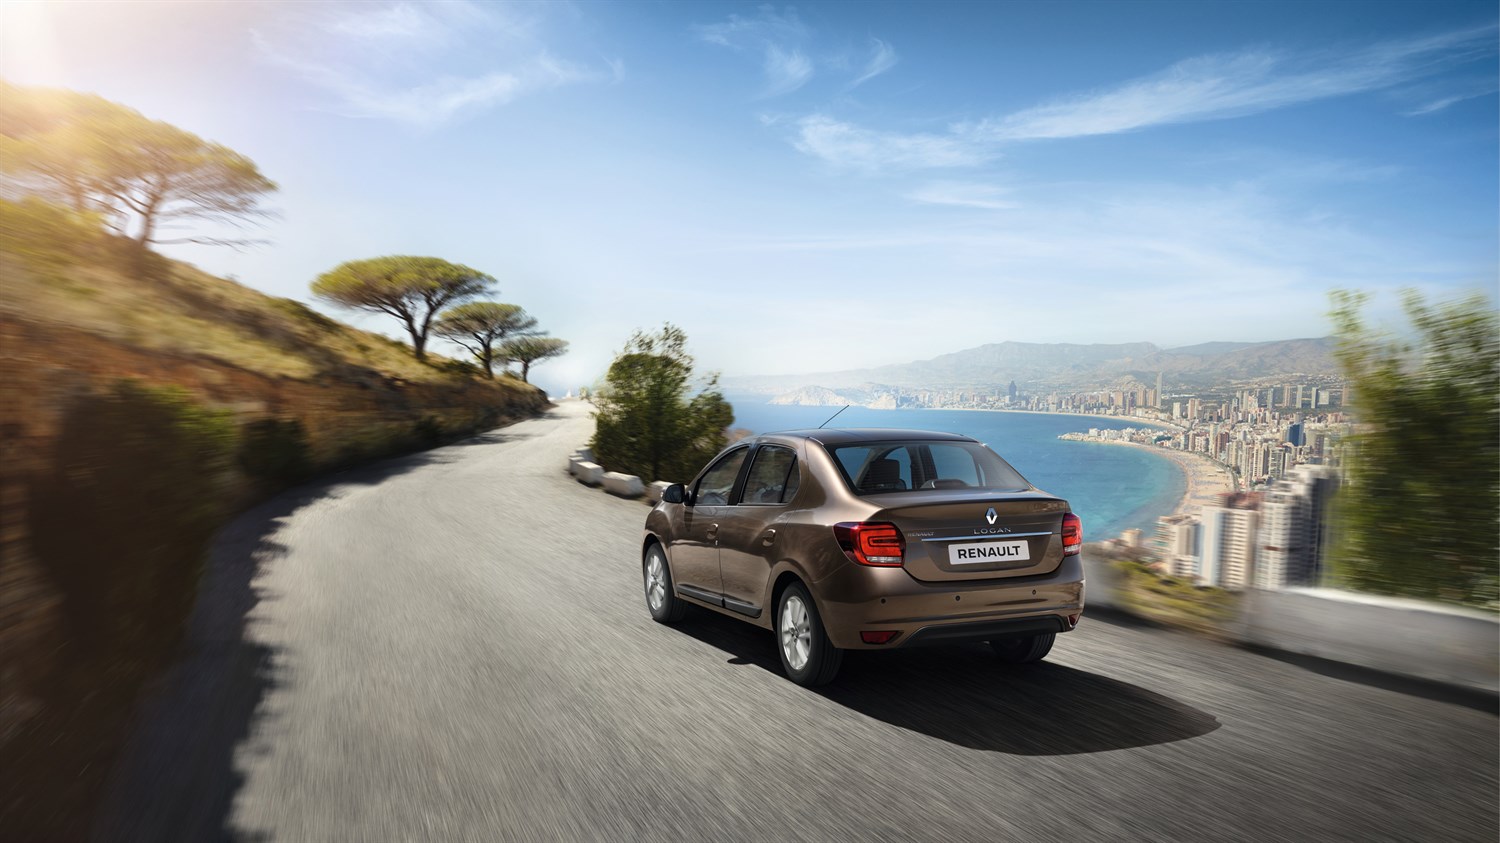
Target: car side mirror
{"type": "Point", "coordinates": [674, 493]}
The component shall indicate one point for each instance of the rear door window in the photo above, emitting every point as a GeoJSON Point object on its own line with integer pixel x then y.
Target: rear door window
{"type": "Point", "coordinates": [772, 477]}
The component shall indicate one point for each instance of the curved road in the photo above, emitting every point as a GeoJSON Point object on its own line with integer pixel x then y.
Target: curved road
{"type": "Point", "coordinates": [453, 646]}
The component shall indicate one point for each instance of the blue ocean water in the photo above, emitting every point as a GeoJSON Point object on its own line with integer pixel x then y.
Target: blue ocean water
{"type": "Point", "coordinates": [1111, 488]}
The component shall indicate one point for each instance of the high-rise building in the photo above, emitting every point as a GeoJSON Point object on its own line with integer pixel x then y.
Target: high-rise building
{"type": "Point", "coordinates": [1228, 544]}
{"type": "Point", "coordinates": [1293, 535]}
{"type": "Point", "coordinates": [1175, 545]}
{"type": "Point", "coordinates": [1158, 391]}
{"type": "Point", "coordinates": [1296, 433]}
{"type": "Point", "coordinates": [1012, 392]}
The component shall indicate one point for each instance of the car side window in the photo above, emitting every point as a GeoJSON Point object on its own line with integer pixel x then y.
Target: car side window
{"type": "Point", "coordinates": [769, 473]}
{"type": "Point", "coordinates": [717, 483]}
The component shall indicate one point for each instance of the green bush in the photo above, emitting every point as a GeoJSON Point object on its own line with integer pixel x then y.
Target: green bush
{"type": "Point", "coordinates": [1417, 517]}
{"type": "Point", "coordinates": [427, 432]}
{"type": "Point", "coordinates": [123, 518]}
{"type": "Point", "coordinates": [645, 423]}
{"type": "Point", "coordinates": [274, 452]}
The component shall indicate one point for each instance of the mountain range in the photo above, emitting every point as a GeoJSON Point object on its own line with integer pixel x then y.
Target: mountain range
{"type": "Point", "coordinates": [1073, 366]}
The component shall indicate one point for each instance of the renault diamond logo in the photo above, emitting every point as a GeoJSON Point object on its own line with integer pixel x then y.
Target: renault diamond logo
{"type": "Point", "coordinates": [990, 515]}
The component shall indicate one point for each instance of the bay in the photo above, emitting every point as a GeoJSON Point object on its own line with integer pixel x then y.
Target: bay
{"type": "Point", "coordinates": [1111, 488]}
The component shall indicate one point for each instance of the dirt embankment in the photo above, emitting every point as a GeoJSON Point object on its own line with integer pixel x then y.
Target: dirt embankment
{"type": "Point", "coordinates": [209, 394]}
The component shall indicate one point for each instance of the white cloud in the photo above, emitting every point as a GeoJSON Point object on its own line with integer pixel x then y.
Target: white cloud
{"type": "Point", "coordinates": [786, 47]}
{"type": "Point", "coordinates": [753, 33]}
{"type": "Point", "coordinates": [882, 58]}
{"type": "Point", "coordinates": [421, 64]}
{"type": "Point", "coordinates": [785, 71]}
{"type": "Point", "coordinates": [1213, 87]}
{"type": "Point", "coordinates": [963, 195]}
{"type": "Point", "coordinates": [846, 145]}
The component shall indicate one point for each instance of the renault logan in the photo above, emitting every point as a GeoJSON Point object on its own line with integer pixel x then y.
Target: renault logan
{"type": "Point", "coordinates": [867, 539]}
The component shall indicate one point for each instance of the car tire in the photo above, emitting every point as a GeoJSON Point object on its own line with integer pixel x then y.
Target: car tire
{"type": "Point", "coordinates": [807, 656]}
{"type": "Point", "coordinates": [661, 600]}
{"type": "Point", "coordinates": [1032, 648]}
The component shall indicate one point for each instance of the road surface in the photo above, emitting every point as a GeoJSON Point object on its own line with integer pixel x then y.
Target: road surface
{"type": "Point", "coordinates": [454, 646]}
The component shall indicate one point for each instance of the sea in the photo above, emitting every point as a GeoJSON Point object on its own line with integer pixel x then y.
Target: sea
{"type": "Point", "coordinates": [1111, 488]}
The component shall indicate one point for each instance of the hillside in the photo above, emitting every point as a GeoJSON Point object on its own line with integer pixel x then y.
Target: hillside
{"type": "Point", "coordinates": [1072, 366]}
{"type": "Point", "coordinates": [144, 402]}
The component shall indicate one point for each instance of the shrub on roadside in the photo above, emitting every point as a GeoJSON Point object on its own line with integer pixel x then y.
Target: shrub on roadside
{"type": "Point", "coordinates": [123, 519]}
{"type": "Point", "coordinates": [274, 452]}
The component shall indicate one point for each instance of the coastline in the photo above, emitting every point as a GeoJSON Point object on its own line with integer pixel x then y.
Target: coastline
{"type": "Point", "coordinates": [1117, 419]}
{"type": "Point", "coordinates": [1205, 478]}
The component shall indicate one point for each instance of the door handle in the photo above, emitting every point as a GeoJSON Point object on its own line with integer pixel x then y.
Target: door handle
{"type": "Point", "coordinates": [713, 531]}
{"type": "Point", "coordinates": [768, 538]}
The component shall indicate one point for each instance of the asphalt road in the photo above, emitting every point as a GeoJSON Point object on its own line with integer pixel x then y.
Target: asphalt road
{"type": "Point", "coordinates": [454, 646]}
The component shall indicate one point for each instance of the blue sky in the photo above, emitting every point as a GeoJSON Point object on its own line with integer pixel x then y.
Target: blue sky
{"type": "Point", "coordinates": [831, 185]}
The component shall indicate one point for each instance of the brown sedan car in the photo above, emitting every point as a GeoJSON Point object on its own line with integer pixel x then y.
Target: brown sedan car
{"type": "Point", "coordinates": [867, 539]}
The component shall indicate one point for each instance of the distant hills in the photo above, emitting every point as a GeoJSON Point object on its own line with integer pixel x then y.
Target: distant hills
{"type": "Point", "coordinates": [1068, 366]}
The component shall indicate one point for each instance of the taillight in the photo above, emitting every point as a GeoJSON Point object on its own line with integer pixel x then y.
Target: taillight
{"type": "Point", "coordinates": [1072, 535]}
{"type": "Point", "coordinates": [871, 542]}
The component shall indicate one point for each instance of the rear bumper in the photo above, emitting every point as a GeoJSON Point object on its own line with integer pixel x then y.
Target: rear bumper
{"type": "Point", "coordinates": [858, 598]}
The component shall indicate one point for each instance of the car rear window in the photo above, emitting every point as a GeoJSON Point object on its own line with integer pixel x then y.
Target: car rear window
{"type": "Point", "coordinates": [872, 468]}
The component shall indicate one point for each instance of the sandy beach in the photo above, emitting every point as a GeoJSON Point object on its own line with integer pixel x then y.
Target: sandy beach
{"type": "Point", "coordinates": [1206, 478]}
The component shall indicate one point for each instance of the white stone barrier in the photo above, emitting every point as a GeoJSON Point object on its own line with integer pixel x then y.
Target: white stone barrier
{"type": "Point", "coordinates": [589, 473]}
{"type": "Point", "coordinates": [573, 463]}
{"type": "Point", "coordinates": [656, 490]}
{"type": "Point", "coordinates": [585, 454]}
{"type": "Point", "coordinates": [624, 485]}
{"type": "Point", "coordinates": [1408, 637]}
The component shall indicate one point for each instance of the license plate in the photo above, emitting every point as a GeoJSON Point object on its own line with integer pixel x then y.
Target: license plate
{"type": "Point", "coordinates": [988, 553]}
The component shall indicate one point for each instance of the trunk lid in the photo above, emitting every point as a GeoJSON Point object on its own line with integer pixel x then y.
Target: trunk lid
{"type": "Point", "coordinates": [978, 536]}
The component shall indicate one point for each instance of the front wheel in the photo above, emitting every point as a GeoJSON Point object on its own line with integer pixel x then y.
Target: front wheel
{"type": "Point", "coordinates": [1032, 648]}
{"type": "Point", "coordinates": [807, 656]}
{"type": "Point", "coordinates": [660, 598]}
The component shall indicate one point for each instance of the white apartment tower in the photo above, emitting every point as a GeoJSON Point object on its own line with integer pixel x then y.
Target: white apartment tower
{"type": "Point", "coordinates": [1228, 559]}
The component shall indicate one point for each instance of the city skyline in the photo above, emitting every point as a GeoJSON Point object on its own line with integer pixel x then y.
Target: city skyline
{"type": "Point", "coordinates": [852, 180]}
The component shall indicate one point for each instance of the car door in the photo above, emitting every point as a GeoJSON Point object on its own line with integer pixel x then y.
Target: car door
{"type": "Point", "coordinates": [695, 551]}
{"type": "Point", "coordinates": [748, 548]}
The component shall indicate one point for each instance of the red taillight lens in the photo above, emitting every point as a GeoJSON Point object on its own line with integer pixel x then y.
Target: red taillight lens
{"type": "Point", "coordinates": [871, 636]}
{"type": "Point", "coordinates": [871, 542]}
{"type": "Point", "coordinates": [1072, 535]}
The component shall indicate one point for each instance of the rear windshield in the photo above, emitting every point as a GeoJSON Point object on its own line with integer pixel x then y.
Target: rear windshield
{"type": "Point", "coordinates": [872, 468]}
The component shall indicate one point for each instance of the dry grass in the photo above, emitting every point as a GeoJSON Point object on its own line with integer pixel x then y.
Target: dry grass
{"type": "Point", "coordinates": [178, 308]}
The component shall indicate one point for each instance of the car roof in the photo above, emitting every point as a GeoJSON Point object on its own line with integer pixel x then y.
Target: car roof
{"type": "Point", "coordinates": [849, 436]}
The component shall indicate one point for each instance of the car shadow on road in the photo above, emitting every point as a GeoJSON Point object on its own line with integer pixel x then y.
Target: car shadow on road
{"type": "Point", "coordinates": [965, 696]}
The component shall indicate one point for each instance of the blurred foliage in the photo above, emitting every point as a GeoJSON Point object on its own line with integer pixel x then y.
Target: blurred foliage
{"type": "Point", "coordinates": [478, 326]}
{"type": "Point", "coordinates": [49, 237]}
{"type": "Point", "coordinates": [122, 521]}
{"type": "Point", "coordinates": [456, 368]}
{"type": "Point", "coordinates": [527, 350]}
{"type": "Point", "coordinates": [646, 423]}
{"type": "Point", "coordinates": [427, 432]}
{"type": "Point", "coordinates": [1418, 516]}
{"type": "Point", "coordinates": [274, 452]}
{"type": "Point", "coordinates": [1172, 601]}
{"type": "Point", "coordinates": [412, 289]}
{"type": "Point", "coordinates": [143, 178]}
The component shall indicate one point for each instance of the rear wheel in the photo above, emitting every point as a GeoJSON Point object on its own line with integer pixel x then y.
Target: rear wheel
{"type": "Point", "coordinates": [1032, 648]}
{"type": "Point", "coordinates": [661, 600]}
{"type": "Point", "coordinates": [807, 656]}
